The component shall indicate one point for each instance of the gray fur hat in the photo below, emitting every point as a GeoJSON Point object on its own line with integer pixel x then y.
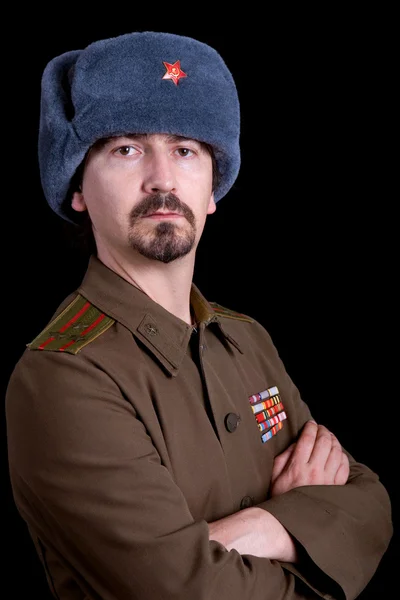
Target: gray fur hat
{"type": "Point", "coordinates": [141, 82]}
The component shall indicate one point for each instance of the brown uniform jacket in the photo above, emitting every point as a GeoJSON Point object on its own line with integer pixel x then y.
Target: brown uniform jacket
{"type": "Point", "coordinates": [128, 431]}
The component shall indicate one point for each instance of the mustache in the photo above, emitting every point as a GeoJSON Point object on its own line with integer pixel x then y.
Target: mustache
{"type": "Point", "coordinates": [155, 202]}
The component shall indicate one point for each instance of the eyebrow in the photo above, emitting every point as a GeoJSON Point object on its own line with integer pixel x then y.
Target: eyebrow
{"type": "Point", "coordinates": [170, 138]}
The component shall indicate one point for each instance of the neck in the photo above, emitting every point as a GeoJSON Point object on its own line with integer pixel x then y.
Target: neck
{"type": "Point", "coordinates": [167, 284]}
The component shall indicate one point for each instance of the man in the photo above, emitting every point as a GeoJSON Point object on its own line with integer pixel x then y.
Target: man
{"type": "Point", "coordinates": [158, 449]}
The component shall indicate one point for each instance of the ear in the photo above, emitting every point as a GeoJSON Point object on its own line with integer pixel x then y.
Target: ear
{"type": "Point", "coordinates": [212, 207]}
{"type": "Point", "coordinates": [78, 202]}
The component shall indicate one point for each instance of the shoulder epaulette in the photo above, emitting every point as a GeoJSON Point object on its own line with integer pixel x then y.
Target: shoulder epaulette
{"type": "Point", "coordinates": [221, 311]}
{"type": "Point", "coordinates": [77, 325]}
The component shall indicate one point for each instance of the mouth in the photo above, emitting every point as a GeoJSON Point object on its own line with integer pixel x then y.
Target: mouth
{"type": "Point", "coordinates": [163, 215]}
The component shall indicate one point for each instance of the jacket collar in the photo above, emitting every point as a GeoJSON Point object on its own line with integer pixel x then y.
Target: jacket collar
{"type": "Point", "coordinates": [164, 334]}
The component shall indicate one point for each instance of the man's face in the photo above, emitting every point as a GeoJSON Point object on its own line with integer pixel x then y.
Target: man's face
{"type": "Point", "coordinates": [150, 193]}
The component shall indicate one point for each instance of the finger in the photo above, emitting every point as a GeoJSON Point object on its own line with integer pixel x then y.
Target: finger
{"type": "Point", "coordinates": [343, 472]}
{"type": "Point", "coordinates": [281, 461]}
{"type": "Point", "coordinates": [305, 443]}
{"type": "Point", "coordinates": [334, 461]}
{"type": "Point", "coordinates": [322, 447]}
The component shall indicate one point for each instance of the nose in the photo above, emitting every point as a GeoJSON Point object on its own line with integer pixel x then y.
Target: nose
{"type": "Point", "coordinates": [159, 175]}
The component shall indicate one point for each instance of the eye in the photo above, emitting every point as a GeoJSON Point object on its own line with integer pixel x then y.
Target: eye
{"type": "Point", "coordinates": [184, 152]}
{"type": "Point", "coordinates": [126, 151]}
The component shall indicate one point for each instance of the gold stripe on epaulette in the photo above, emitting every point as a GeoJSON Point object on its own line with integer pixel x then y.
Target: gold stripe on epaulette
{"type": "Point", "coordinates": [79, 324]}
{"type": "Point", "coordinates": [222, 311]}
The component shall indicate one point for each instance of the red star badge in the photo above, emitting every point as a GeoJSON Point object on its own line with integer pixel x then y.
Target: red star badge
{"type": "Point", "coordinates": [174, 72]}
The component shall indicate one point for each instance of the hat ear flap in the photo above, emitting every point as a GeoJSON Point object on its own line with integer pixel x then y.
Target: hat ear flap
{"type": "Point", "coordinates": [57, 136]}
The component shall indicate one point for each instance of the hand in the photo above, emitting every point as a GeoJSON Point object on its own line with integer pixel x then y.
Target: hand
{"type": "Point", "coordinates": [254, 531]}
{"type": "Point", "coordinates": [316, 458]}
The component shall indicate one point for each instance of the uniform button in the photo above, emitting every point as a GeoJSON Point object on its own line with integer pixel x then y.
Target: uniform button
{"type": "Point", "coordinates": [151, 329]}
{"type": "Point", "coordinates": [246, 502]}
{"type": "Point", "coordinates": [231, 422]}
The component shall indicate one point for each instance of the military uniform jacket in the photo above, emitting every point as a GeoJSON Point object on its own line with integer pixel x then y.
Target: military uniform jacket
{"type": "Point", "coordinates": [129, 430]}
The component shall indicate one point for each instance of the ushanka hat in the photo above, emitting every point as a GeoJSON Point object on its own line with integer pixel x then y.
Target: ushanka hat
{"type": "Point", "coordinates": [141, 82]}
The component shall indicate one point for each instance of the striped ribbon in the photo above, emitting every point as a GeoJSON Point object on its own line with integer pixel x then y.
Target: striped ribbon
{"type": "Point", "coordinates": [269, 412]}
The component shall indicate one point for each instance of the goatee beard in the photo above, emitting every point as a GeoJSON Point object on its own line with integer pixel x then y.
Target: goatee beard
{"type": "Point", "coordinates": [166, 241]}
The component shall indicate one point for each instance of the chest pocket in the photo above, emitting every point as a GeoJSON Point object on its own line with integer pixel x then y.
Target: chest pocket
{"type": "Point", "coordinates": [269, 412]}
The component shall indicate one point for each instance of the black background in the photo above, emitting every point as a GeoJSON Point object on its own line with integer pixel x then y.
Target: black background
{"type": "Point", "coordinates": [303, 242]}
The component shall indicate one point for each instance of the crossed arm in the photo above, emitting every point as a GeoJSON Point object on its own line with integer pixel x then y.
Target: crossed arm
{"type": "Point", "coordinates": [316, 458]}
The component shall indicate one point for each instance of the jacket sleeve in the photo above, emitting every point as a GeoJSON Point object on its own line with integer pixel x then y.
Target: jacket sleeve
{"type": "Point", "coordinates": [343, 530]}
{"type": "Point", "coordinates": [89, 482]}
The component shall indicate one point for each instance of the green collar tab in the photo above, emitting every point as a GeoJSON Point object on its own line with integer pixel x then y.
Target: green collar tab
{"type": "Point", "coordinates": [221, 311]}
{"type": "Point", "coordinates": [79, 324]}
